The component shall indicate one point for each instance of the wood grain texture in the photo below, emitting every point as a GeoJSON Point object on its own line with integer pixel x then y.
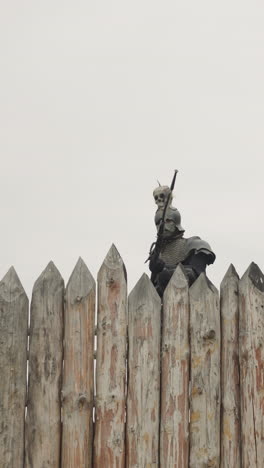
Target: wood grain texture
{"type": "Point", "coordinates": [230, 392]}
{"type": "Point", "coordinates": [143, 401]}
{"type": "Point", "coordinates": [13, 369]}
{"type": "Point", "coordinates": [43, 421]}
{"type": "Point", "coordinates": [251, 356]}
{"type": "Point", "coordinates": [205, 375]}
{"type": "Point", "coordinates": [109, 449]}
{"type": "Point", "coordinates": [174, 426]}
{"type": "Point", "coordinates": [78, 372]}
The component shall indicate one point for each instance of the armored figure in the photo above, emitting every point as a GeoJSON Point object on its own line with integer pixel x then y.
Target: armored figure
{"type": "Point", "coordinates": [171, 247]}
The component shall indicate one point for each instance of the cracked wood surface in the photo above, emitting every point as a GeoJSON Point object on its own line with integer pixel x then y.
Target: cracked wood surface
{"type": "Point", "coordinates": [205, 375]}
{"type": "Point", "coordinates": [109, 448]}
{"type": "Point", "coordinates": [230, 392]}
{"type": "Point", "coordinates": [143, 407]}
{"type": "Point", "coordinates": [78, 372]}
{"type": "Point", "coordinates": [251, 356]}
{"type": "Point", "coordinates": [43, 421]}
{"type": "Point", "coordinates": [13, 369]}
{"type": "Point", "coordinates": [174, 430]}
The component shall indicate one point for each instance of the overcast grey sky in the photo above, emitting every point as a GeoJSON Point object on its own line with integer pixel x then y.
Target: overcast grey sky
{"type": "Point", "coordinates": [100, 99]}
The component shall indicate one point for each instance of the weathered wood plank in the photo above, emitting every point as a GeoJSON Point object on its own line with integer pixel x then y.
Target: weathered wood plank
{"type": "Point", "coordinates": [251, 356]}
{"type": "Point", "coordinates": [142, 435]}
{"type": "Point", "coordinates": [230, 394]}
{"type": "Point", "coordinates": [174, 426]}
{"type": "Point", "coordinates": [13, 369]}
{"type": "Point", "coordinates": [43, 421]}
{"type": "Point", "coordinates": [78, 372]}
{"type": "Point", "coordinates": [109, 450]}
{"type": "Point", "coordinates": [205, 374]}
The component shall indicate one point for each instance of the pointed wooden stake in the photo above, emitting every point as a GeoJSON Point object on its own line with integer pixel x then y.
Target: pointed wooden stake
{"type": "Point", "coordinates": [174, 436]}
{"type": "Point", "coordinates": [230, 395]}
{"type": "Point", "coordinates": [205, 374]}
{"type": "Point", "coordinates": [13, 365]}
{"type": "Point", "coordinates": [142, 440]}
{"type": "Point", "coordinates": [251, 354]}
{"type": "Point", "coordinates": [78, 373]}
{"type": "Point", "coordinates": [109, 449]}
{"type": "Point", "coordinates": [43, 422]}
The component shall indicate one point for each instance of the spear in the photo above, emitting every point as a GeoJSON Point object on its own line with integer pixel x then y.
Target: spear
{"type": "Point", "coordinates": [156, 246]}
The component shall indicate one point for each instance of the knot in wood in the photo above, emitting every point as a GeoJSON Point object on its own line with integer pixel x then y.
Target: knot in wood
{"type": "Point", "coordinates": [104, 323]}
{"type": "Point", "coordinates": [117, 440]}
{"type": "Point", "coordinates": [110, 282]}
{"type": "Point", "coordinates": [111, 399]}
{"type": "Point", "coordinates": [210, 335]}
{"type": "Point", "coordinates": [82, 400]}
{"type": "Point", "coordinates": [212, 463]}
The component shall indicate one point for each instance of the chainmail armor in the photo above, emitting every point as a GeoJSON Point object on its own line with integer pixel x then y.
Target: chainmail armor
{"type": "Point", "coordinates": [173, 252]}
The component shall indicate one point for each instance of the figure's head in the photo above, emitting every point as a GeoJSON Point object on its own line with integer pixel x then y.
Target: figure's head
{"type": "Point", "coordinates": [160, 195]}
{"type": "Point", "coordinates": [172, 224]}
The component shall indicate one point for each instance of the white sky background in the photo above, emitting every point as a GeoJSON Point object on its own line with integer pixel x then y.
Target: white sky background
{"type": "Point", "coordinates": [100, 99]}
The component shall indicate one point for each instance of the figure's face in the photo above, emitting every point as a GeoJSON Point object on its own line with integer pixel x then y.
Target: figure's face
{"type": "Point", "coordinates": [170, 227]}
{"type": "Point", "coordinates": [160, 195]}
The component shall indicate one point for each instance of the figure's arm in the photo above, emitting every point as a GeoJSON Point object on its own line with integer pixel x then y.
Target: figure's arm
{"type": "Point", "coordinates": [156, 265]}
{"type": "Point", "coordinates": [194, 265]}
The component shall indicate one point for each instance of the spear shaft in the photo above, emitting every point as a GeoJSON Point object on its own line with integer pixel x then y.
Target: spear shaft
{"type": "Point", "coordinates": [156, 246]}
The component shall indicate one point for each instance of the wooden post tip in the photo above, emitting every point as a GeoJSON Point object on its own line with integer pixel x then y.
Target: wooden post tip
{"type": "Point", "coordinates": [113, 261]}
{"type": "Point", "coordinates": [231, 273]}
{"type": "Point", "coordinates": [81, 280]}
{"type": "Point", "coordinates": [11, 280]}
{"type": "Point", "coordinates": [202, 284]}
{"type": "Point", "coordinates": [144, 288]}
{"type": "Point", "coordinates": [256, 276]}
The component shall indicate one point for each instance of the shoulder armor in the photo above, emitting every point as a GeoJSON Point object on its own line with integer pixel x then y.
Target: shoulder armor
{"type": "Point", "coordinates": [195, 244]}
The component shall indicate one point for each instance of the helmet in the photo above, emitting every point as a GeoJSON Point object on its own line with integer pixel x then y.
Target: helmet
{"type": "Point", "coordinates": [172, 214]}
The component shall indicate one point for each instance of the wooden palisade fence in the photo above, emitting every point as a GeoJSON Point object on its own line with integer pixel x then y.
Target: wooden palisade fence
{"type": "Point", "coordinates": [178, 384]}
